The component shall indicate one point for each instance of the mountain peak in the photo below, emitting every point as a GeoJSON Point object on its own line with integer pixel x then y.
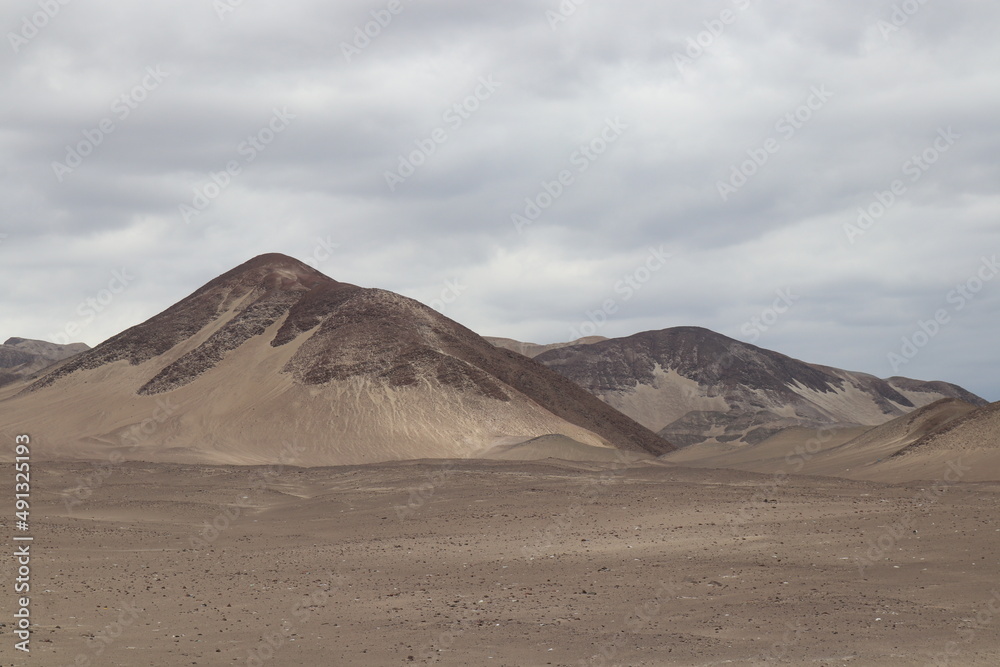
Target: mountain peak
{"type": "Point", "coordinates": [241, 302]}
{"type": "Point", "coordinates": [275, 261]}
{"type": "Point", "coordinates": [272, 271]}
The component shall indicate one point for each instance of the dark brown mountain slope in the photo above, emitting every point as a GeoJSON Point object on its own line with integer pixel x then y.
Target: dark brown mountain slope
{"type": "Point", "coordinates": [693, 385]}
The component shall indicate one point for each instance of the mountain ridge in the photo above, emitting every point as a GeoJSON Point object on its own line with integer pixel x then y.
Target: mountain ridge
{"type": "Point", "coordinates": [691, 385]}
{"type": "Point", "coordinates": [20, 358]}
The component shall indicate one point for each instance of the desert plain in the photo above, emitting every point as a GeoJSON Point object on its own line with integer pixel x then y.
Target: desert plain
{"type": "Point", "coordinates": [504, 563]}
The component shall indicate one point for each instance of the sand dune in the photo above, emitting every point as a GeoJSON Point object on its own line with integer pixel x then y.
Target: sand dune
{"type": "Point", "coordinates": [789, 451]}
{"type": "Point", "coordinates": [928, 444]}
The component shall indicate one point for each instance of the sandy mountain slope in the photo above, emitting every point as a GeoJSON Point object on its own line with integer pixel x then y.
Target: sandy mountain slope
{"type": "Point", "coordinates": [275, 362]}
{"type": "Point", "coordinates": [968, 446]}
{"type": "Point", "coordinates": [857, 453]}
{"type": "Point", "coordinates": [534, 349]}
{"type": "Point", "coordinates": [693, 385]}
{"type": "Point", "coordinates": [782, 452]}
{"type": "Point", "coordinates": [977, 430]}
{"type": "Point", "coordinates": [22, 357]}
{"type": "Point", "coordinates": [887, 440]}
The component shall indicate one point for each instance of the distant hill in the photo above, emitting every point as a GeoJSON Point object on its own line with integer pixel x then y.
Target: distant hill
{"type": "Point", "coordinates": [21, 358]}
{"type": "Point", "coordinates": [692, 385]}
{"type": "Point", "coordinates": [534, 349]}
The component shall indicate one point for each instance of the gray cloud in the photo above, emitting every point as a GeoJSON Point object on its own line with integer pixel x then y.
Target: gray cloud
{"type": "Point", "coordinates": [321, 181]}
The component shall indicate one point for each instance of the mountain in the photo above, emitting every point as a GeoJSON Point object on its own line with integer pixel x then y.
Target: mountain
{"type": "Point", "coordinates": [692, 385]}
{"type": "Point", "coordinates": [22, 357]}
{"type": "Point", "coordinates": [534, 349]}
{"type": "Point", "coordinates": [275, 362]}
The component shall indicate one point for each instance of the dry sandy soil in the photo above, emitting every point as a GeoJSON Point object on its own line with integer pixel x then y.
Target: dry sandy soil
{"type": "Point", "coordinates": [503, 563]}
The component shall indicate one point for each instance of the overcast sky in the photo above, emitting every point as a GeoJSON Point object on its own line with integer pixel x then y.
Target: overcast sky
{"type": "Point", "coordinates": [613, 168]}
